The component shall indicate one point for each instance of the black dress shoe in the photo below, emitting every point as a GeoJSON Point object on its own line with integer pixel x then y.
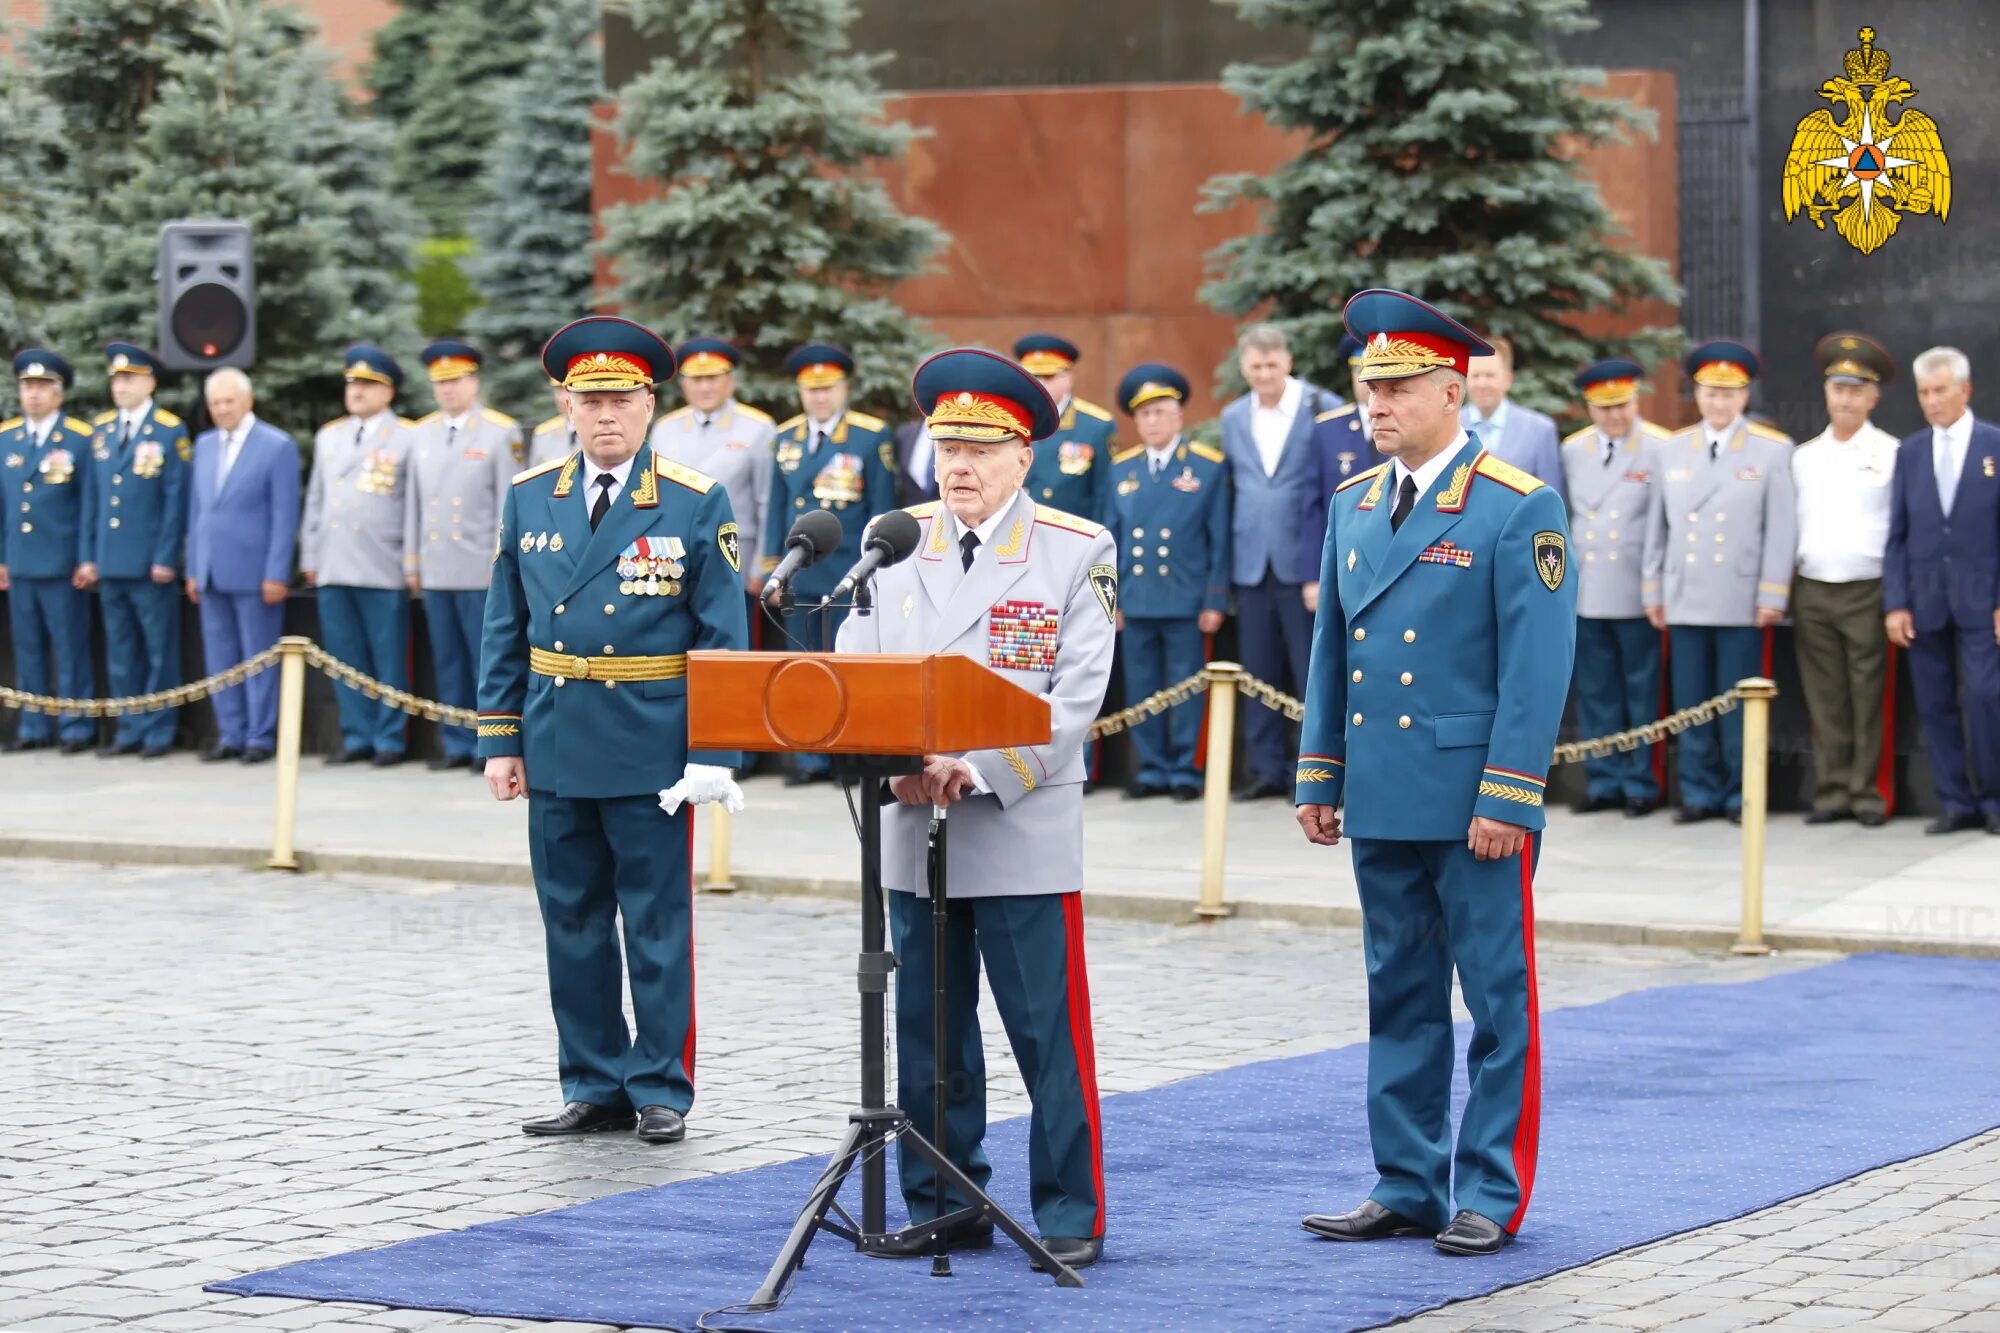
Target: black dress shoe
{"type": "Point", "coordinates": [661, 1124]}
{"type": "Point", "coordinates": [156, 752]}
{"type": "Point", "coordinates": [1143, 791]}
{"type": "Point", "coordinates": [1640, 806]}
{"type": "Point", "coordinates": [1829, 816]}
{"type": "Point", "coordinates": [1470, 1233]}
{"type": "Point", "coordinates": [256, 754]}
{"type": "Point", "coordinates": [1072, 1251]}
{"type": "Point", "coordinates": [1870, 818]}
{"type": "Point", "coordinates": [1695, 814]}
{"type": "Point", "coordinates": [445, 762]}
{"type": "Point", "coordinates": [350, 756]}
{"type": "Point", "coordinates": [118, 749]}
{"type": "Point", "coordinates": [218, 752]}
{"type": "Point", "coordinates": [1591, 805]}
{"type": "Point", "coordinates": [21, 746]}
{"type": "Point", "coordinates": [974, 1235]}
{"type": "Point", "coordinates": [1371, 1221]}
{"type": "Point", "coordinates": [1259, 790]}
{"type": "Point", "coordinates": [579, 1118]}
{"type": "Point", "coordinates": [1950, 822]}
{"type": "Point", "coordinates": [1186, 794]}
{"type": "Point", "coordinates": [386, 759]}
{"type": "Point", "coordinates": [78, 746]}
{"type": "Point", "coordinates": [1736, 815]}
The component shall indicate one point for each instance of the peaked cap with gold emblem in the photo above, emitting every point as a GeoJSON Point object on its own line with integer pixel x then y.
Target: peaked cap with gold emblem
{"type": "Point", "coordinates": [982, 398]}
{"type": "Point", "coordinates": [605, 353]}
{"type": "Point", "coordinates": [1402, 337]}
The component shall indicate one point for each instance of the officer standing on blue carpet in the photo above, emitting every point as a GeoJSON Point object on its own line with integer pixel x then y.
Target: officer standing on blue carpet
{"type": "Point", "coordinates": [463, 458]}
{"type": "Point", "coordinates": [833, 458]}
{"type": "Point", "coordinates": [1031, 592]}
{"type": "Point", "coordinates": [140, 460]}
{"type": "Point", "coordinates": [47, 551]}
{"type": "Point", "coordinates": [1441, 663]}
{"type": "Point", "coordinates": [1340, 446]}
{"type": "Point", "coordinates": [351, 547]}
{"type": "Point", "coordinates": [611, 565]}
{"type": "Point", "coordinates": [1072, 467]}
{"type": "Point", "coordinates": [1609, 476]}
{"type": "Point", "coordinates": [1720, 541]}
{"type": "Point", "coordinates": [1169, 516]}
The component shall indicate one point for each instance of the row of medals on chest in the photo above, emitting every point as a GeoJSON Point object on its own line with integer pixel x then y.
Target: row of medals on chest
{"type": "Point", "coordinates": [640, 573]}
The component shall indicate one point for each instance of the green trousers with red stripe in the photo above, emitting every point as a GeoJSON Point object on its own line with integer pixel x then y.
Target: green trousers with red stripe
{"type": "Point", "coordinates": [1032, 947]}
{"type": "Point", "coordinates": [601, 864]}
{"type": "Point", "coordinates": [1427, 908]}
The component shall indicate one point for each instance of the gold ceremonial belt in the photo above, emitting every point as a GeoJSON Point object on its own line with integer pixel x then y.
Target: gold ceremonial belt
{"type": "Point", "coordinates": [545, 663]}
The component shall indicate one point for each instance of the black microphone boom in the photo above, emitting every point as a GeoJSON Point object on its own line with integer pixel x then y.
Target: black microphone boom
{"type": "Point", "coordinates": [890, 538]}
{"type": "Point", "coordinates": [814, 536]}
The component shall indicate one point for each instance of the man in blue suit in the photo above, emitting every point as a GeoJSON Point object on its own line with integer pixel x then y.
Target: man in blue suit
{"type": "Point", "coordinates": [1169, 515]}
{"type": "Point", "coordinates": [1072, 468]}
{"type": "Point", "coordinates": [1941, 588]}
{"type": "Point", "coordinates": [139, 458]}
{"type": "Point", "coordinates": [243, 524]}
{"type": "Point", "coordinates": [612, 564]}
{"type": "Point", "coordinates": [1266, 436]}
{"type": "Point", "coordinates": [1511, 433]}
{"type": "Point", "coordinates": [46, 555]}
{"type": "Point", "coordinates": [1339, 447]}
{"type": "Point", "coordinates": [1440, 665]}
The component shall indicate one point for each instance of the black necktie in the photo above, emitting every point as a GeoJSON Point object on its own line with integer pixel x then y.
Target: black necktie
{"type": "Point", "coordinates": [968, 546]}
{"type": "Point", "coordinates": [605, 481]}
{"type": "Point", "coordinates": [124, 432]}
{"type": "Point", "coordinates": [1610, 451]}
{"type": "Point", "coordinates": [1406, 500]}
{"type": "Point", "coordinates": [812, 450]}
{"type": "Point", "coordinates": [450, 436]}
{"type": "Point", "coordinates": [1713, 447]}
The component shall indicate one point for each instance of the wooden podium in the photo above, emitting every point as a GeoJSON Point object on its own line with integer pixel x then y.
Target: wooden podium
{"type": "Point", "coordinates": [877, 715]}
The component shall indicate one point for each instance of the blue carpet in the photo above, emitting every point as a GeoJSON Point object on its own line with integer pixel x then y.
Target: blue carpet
{"type": "Point", "coordinates": [1664, 1110]}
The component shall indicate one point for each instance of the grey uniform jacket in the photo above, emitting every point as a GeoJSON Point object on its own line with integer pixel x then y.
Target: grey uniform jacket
{"type": "Point", "coordinates": [458, 487]}
{"type": "Point", "coordinates": [1037, 606]}
{"type": "Point", "coordinates": [1608, 509]}
{"type": "Point", "coordinates": [352, 534]}
{"type": "Point", "coordinates": [1722, 536]}
{"type": "Point", "coordinates": [550, 441]}
{"type": "Point", "coordinates": [735, 448]}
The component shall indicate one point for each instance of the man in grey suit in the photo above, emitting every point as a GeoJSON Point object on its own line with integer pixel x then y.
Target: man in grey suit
{"type": "Point", "coordinates": [1032, 593]}
{"type": "Point", "coordinates": [1510, 432]}
{"type": "Point", "coordinates": [1609, 467]}
{"type": "Point", "coordinates": [1265, 436]}
{"type": "Point", "coordinates": [463, 458]}
{"type": "Point", "coordinates": [1720, 539]}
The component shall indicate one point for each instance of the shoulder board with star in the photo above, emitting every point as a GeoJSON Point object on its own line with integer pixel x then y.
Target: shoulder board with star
{"type": "Point", "coordinates": [165, 418]}
{"type": "Point", "coordinates": [1576, 435]}
{"type": "Point", "coordinates": [1360, 477]}
{"type": "Point", "coordinates": [698, 482]}
{"type": "Point", "coordinates": [497, 418]}
{"type": "Point", "coordinates": [1764, 432]}
{"type": "Point", "coordinates": [754, 413]}
{"type": "Point", "coordinates": [1127, 455]}
{"type": "Point", "coordinates": [550, 424]}
{"type": "Point", "coordinates": [335, 422]}
{"type": "Point", "coordinates": [787, 424]}
{"type": "Point", "coordinates": [105, 418]}
{"type": "Point", "coordinates": [538, 469]}
{"type": "Point", "coordinates": [1688, 433]}
{"type": "Point", "coordinates": [76, 425]}
{"type": "Point", "coordinates": [1513, 478]}
{"type": "Point", "coordinates": [1208, 451]}
{"type": "Point", "coordinates": [866, 422]}
{"type": "Point", "coordinates": [1344, 410]}
{"type": "Point", "coordinates": [11, 423]}
{"type": "Point", "coordinates": [1089, 409]}
{"type": "Point", "coordinates": [1057, 518]}
{"type": "Point", "coordinates": [425, 419]}
{"type": "Point", "coordinates": [1656, 430]}
{"type": "Point", "coordinates": [924, 510]}
{"type": "Point", "coordinates": [678, 413]}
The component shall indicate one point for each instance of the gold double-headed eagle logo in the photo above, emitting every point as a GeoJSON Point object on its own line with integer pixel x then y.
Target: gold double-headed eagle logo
{"type": "Point", "coordinates": [1866, 170]}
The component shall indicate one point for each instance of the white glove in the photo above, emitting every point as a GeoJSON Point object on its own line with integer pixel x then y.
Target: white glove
{"type": "Point", "coordinates": [701, 784]}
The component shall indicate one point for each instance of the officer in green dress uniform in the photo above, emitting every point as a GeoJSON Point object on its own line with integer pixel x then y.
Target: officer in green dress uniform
{"type": "Point", "coordinates": [141, 459]}
{"type": "Point", "coordinates": [612, 564]}
{"type": "Point", "coordinates": [47, 549]}
{"type": "Point", "coordinates": [1071, 467]}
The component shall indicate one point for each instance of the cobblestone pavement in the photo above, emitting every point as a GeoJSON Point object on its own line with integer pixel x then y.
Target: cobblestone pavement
{"type": "Point", "coordinates": [209, 1073]}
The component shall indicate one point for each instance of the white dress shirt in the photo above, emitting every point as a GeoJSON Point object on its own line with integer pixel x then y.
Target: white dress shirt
{"type": "Point", "coordinates": [591, 472]}
{"type": "Point", "coordinates": [1490, 428]}
{"type": "Point", "coordinates": [817, 430]}
{"type": "Point", "coordinates": [1428, 474]}
{"type": "Point", "coordinates": [1270, 427]}
{"type": "Point", "coordinates": [1842, 489]}
{"type": "Point", "coordinates": [38, 431]}
{"type": "Point", "coordinates": [131, 423]}
{"type": "Point", "coordinates": [1948, 446]}
{"type": "Point", "coordinates": [1715, 441]}
{"type": "Point", "coordinates": [1157, 459]}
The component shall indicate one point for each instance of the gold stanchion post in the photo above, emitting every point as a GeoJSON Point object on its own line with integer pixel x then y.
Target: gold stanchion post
{"type": "Point", "coordinates": [291, 724]}
{"type": "Point", "coordinates": [1222, 678]}
{"type": "Point", "coordinates": [720, 826]}
{"type": "Point", "coordinates": [1757, 695]}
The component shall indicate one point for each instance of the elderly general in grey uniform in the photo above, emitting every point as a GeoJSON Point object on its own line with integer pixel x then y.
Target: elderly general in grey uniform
{"type": "Point", "coordinates": [1608, 473]}
{"type": "Point", "coordinates": [1032, 593]}
{"type": "Point", "coordinates": [1720, 540]}
{"type": "Point", "coordinates": [728, 440]}
{"type": "Point", "coordinates": [463, 461]}
{"type": "Point", "coordinates": [351, 548]}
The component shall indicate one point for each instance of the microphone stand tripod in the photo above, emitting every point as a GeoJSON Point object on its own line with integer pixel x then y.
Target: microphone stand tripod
{"type": "Point", "coordinates": [871, 1125]}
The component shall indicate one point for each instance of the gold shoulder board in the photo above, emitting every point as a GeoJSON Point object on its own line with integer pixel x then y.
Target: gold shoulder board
{"type": "Point", "coordinates": [1360, 477]}
{"type": "Point", "coordinates": [1208, 451]}
{"type": "Point", "coordinates": [538, 469]}
{"type": "Point", "coordinates": [1057, 518]}
{"type": "Point", "coordinates": [1343, 410]}
{"type": "Point", "coordinates": [1090, 409]}
{"type": "Point", "coordinates": [1513, 478]}
{"type": "Point", "coordinates": [105, 418]}
{"type": "Point", "coordinates": [866, 422]}
{"type": "Point", "coordinates": [165, 418]}
{"type": "Point", "coordinates": [498, 418]}
{"type": "Point", "coordinates": [698, 482]}
{"type": "Point", "coordinates": [1576, 435]}
{"type": "Point", "coordinates": [754, 413]}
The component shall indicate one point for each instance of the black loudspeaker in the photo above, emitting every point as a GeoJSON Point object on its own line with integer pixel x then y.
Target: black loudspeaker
{"type": "Point", "coordinates": [208, 296]}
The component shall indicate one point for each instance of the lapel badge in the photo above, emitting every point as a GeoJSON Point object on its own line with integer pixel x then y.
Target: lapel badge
{"type": "Point", "coordinates": [1350, 560]}
{"type": "Point", "coordinates": [1986, 466]}
{"type": "Point", "coordinates": [555, 542]}
{"type": "Point", "coordinates": [1187, 482]}
{"type": "Point", "coordinates": [541, 541]}
{"type": "Point", "coordinates": [909, 606]}
{"type": "Point", "coordinates": [527, 542]}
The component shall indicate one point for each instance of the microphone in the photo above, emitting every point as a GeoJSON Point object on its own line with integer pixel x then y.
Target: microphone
{"type": "Point", "coordinates": [890, 538]}
{"type": "Point", "coordinates": [816, 534]}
